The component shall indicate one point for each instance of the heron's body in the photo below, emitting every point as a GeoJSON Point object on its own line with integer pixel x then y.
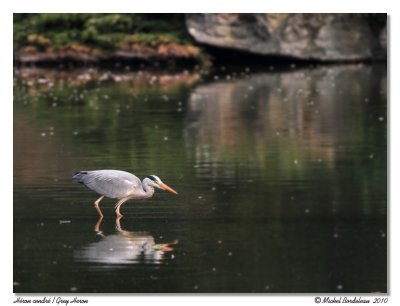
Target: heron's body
{"type": "Point", "coordinates": [121, 185]}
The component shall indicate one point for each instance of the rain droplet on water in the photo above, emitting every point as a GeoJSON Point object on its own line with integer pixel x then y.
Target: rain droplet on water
{"type": "Point", "coordinates": [64, 221]}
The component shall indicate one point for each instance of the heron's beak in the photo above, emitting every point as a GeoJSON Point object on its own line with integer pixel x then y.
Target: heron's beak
{"type": "Point", "coordinates": [167, 188]}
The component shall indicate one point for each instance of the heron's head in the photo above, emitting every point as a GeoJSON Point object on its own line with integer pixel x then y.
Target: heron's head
{"type": "Point", "coordinates": [155, 181]}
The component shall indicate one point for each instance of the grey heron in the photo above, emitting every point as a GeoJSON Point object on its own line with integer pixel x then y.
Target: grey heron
{"type": "Point", "coordinates": [121, 185]}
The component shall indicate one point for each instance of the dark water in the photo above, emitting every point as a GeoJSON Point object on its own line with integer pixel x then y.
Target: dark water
{"type": "Point", "coordinates": [281, 179]}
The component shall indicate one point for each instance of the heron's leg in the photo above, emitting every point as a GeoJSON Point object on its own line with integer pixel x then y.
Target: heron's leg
{"type": "Point", "coordinates": [96, 205]}
{"type": "Point", "coordinates": [119, 228]}
{"type": "Point", "coordinates": [118, 205]}
{"type": "Point", "coordinates": [118, 224]}
{"type": "Point", "coordinates": [97, 227]}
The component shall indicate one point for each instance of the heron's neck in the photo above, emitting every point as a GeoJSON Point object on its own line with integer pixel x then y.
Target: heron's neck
{"type": "Point", "coordinates": [147, 190]}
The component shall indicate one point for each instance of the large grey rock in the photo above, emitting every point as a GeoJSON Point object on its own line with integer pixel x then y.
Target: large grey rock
{"type": "Point", "coordinates": [305, 36]}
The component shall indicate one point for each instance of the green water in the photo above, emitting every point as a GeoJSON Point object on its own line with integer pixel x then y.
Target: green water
{"type": "Point", "coordinates": [281, 179]}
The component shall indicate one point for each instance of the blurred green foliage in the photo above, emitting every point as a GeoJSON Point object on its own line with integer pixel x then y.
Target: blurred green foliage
{"type": "Point", "coordinates": [104, 31]}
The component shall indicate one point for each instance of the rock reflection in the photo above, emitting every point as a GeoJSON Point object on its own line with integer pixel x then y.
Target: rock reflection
{"type": "Point", "coordinates": [124, 247]}
{"type": "Point", "coordinates": [304, 115]}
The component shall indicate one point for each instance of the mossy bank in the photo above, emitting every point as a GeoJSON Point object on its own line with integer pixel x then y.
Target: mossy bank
{"type": "Point", "coordinates": [159, 39]}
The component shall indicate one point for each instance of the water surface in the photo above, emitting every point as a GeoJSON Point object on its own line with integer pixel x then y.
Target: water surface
{"type": "Point", "coordinates": [281, 179]}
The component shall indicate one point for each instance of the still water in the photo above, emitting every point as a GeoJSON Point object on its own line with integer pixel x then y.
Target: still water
{"type": "Point", "coordinates": [281, 178]}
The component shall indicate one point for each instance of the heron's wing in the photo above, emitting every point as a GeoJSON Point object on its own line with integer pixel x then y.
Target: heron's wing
{"type": "Point", "coordinates": [111, 183]}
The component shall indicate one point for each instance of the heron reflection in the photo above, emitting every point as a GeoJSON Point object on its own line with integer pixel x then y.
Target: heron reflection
{"type": "Point", "coordinates": [123, 247]}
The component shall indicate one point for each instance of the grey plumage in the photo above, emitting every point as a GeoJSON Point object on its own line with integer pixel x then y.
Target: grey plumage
{"type": "Point", "coordinates": [121, 185]}
{"type": "Point", "coordinates": [114, 184]}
